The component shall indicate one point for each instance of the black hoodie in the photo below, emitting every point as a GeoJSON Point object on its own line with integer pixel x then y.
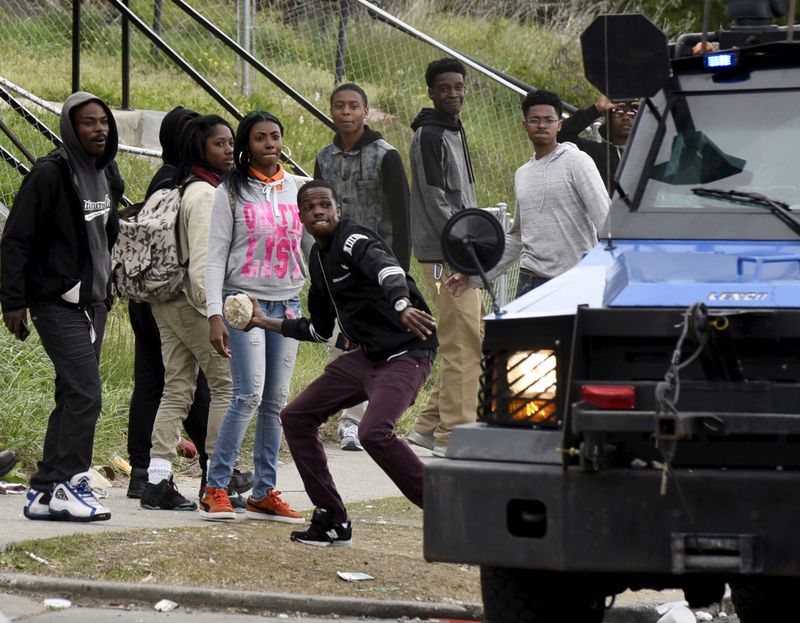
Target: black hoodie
{"type": "Point", "coordinates": [169, 136]}
{"type": "Point", "coordinates": [603, 153]}
{"type": "Point", "coordinates": [46, 248]}
{"type": "Point", "coordinates": [442, 180]}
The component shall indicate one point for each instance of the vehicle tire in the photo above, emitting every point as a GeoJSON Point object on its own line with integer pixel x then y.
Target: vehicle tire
{"type": "Point", "coordinates": [764, 599]}
{"type": "Point", "coordinates": [523, 596]}
{"type": "Point", "coordinates": [702, 592]}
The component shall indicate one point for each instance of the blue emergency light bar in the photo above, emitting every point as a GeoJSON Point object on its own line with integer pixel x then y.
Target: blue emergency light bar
{"type": "Point", "coordinates": [721, 60]}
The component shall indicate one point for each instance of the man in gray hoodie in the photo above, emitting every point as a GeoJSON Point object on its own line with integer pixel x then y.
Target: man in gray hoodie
{"type": "Point", "coordinates": [55, 259]}
{"type": "Point", "coordinates": [562, 203]}
{"type": "Point", "coordinates": [443, 183]}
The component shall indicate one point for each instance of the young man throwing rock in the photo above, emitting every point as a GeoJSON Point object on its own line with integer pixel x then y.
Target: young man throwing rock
{"type": "Point", "coordinates": [355, 277]}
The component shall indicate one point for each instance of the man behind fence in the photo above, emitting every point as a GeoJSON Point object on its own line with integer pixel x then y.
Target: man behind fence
{"type": "Point", "coordinates": [55, 258]}
{"type": "Point", "coordinates": [561, 203]}
{"type": "Point", "coordinates": [368, 176]}
{"type": "Point", "coordinates": [443, 183]}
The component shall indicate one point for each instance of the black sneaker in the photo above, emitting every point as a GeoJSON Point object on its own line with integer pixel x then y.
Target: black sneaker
{"type": "Point", "coordinates": [137, 483]}
{"type": "Point", "coordinates": [166, 497]}
{"type": "Point", "coordinates": [323, 532]}
{"type": "Point", "coordinates": [237, 501]}
{"type": "Point", "coordinates": [241, 482]}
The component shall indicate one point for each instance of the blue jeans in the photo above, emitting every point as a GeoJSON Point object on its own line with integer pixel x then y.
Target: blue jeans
{"type": "Point", "coordinates": [262, 363]}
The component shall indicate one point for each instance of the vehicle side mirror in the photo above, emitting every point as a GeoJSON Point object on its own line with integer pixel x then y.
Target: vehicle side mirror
{"type": "Point", "coordinates": [473, 242]}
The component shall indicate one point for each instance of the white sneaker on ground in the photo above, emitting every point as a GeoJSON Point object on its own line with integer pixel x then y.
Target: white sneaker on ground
{"type": "Point", "coordinates": [348, 435]}
{"type": "Point", "coordinates": [418, 439]}
{"type": "Point", "coordinates": [37, 506]}
{"type": "Point", "coordinates": [74, 500]}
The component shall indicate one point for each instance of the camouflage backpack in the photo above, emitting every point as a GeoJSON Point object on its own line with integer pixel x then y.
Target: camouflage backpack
{"type": "Point", "coordinates": [145, 260]}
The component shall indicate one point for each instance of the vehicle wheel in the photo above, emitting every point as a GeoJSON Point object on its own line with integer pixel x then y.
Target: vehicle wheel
{"type": "Point", "coordinates": [701, 593]}
{"type": "Point", "coordinates": [523, 596]}
{"type": "Point", "coordinates": [764, 599]}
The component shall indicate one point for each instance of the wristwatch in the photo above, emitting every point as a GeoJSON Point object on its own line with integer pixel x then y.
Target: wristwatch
{"type": "Point", "coordinates": [401, 304]}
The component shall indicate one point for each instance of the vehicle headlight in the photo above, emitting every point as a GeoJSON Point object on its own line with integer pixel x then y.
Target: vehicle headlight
{"type": "Point", "coordinates": [518, 388]}
{"type": "Point", "coordinates": [532, 384]}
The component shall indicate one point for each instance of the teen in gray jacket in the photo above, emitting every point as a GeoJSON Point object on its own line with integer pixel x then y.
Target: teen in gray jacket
{"type": "Point", "coordinates": [442, 184]}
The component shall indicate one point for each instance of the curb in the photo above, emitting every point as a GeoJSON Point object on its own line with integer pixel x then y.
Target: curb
{"type": "Point", "coordinates": [217, 599]}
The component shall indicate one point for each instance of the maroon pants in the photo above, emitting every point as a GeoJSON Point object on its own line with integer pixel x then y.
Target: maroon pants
{"type": "Point", "coordinates": [390, 387]}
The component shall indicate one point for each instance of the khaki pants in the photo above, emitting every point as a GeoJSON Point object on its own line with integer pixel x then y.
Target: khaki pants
{"type": "Point", "coordinates": [184, 348]}
{"type": "Point", "coordinates": [454, 399]}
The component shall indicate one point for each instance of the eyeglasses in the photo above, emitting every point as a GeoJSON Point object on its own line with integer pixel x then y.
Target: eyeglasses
{"type": "Point", "coordinates": [546, 121]}
{"type": "Point", "coordinates": [618, 113]}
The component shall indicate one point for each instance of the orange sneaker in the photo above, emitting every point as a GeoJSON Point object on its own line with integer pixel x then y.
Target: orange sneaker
{"type": "Point", "coordinates": [272, 508]}
{"type": "Point", "coordinates": [216, 506]}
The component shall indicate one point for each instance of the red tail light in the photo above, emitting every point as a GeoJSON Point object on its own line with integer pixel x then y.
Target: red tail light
{"type": "Point", "coordinates": [616, 397]}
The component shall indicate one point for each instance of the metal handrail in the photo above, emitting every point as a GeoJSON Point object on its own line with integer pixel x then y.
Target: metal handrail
{"type": "Point", "coordinates": [256, 64]}
{"type": "Point", "coordinates": [496, 75]}
{"type": "Point", "coordinates": [48, 106]}
{"type": "Point", "coordinates": [186, 67]}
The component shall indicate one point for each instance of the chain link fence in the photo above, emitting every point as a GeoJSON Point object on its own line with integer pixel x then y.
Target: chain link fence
{"type": "Point", "coordinates": [310, 45]}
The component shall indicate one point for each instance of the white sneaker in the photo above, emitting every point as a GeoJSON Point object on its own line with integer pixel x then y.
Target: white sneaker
{"type": "Point", "coordinates": [74, 500]}
{"type": "Point", "coordinates": [37, 506]}
{"type": "Point", "coordinates": [348, 435]}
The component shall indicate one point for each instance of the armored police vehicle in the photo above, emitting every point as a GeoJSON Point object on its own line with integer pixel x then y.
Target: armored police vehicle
{"type": "Point", "coordinates": [639, 420]}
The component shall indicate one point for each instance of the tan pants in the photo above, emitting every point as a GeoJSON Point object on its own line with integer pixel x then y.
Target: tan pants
{"type": "Point", "coordinates": [454, 399]}
{"type": "Point", "coordinates": [184, 348]}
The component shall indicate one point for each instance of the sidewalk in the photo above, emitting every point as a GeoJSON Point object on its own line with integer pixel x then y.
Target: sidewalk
{"type": "Point", "coordinates": [357, 478]}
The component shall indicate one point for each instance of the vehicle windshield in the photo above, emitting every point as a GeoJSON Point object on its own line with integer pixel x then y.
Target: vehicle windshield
{"type": "Point", "coordinates": [739, 142]}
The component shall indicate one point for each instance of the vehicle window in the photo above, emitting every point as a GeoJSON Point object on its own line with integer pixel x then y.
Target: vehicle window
{"type": "Point", "coordinates": [737, 141]}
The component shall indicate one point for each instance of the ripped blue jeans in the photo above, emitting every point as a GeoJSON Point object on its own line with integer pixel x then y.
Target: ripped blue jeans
{"type": "Point", "coordinates": [262, 363]}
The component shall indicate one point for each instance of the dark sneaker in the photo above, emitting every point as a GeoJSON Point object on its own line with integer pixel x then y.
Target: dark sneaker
{"type": "Point", "coordinates": [323, 532]}
{"type": "Point", "coordinates": [7, 461]}
{"type": "Point", "coordinates": [421, 440]}
{"type": "Point", "coordinates": [137, 483]}
{"type": "Point", "coordinates": [272, 507]}
{"type": "Point", "coordinates": [37, 506]}
{"type": "Point", "coordinates": [74, 500]}
{"type": "Point", "coordinates": [241, 482]}
{"type": "Point", "coordinates": [165, 497]}
{"type": "Point", "coordinates": [238, 502]}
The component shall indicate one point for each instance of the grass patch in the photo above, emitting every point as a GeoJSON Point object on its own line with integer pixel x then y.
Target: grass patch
{"type": "Point", "coordinates": [387, 544]}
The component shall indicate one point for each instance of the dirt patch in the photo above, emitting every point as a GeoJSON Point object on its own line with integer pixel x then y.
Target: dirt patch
{"type": "Point", "coordinates": [258, 556]}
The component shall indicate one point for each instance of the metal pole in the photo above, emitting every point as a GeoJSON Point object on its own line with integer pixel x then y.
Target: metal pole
{"type": "Point", "coordinates": [17, 142]}
{"type": "Point", "coordinates": [790, 23]}
{"type": "Point", "coordinates": [341, 41]}
{"type": "Point", "coordinates": [76, 45]}
{"type": "Point", "coordinates": [704, 35]}
{"type": "Point", "coordinates": [246, 88]}
{"type": "Point", "coordinates": [158, 8]}
{"type": "Point", "coordinates": [254, 62]}
{"type": "Point", "coordinates": [126, 62]}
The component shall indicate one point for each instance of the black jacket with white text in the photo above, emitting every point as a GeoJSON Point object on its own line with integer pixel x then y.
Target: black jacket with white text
{"type": "Point", "coordinates": [357, 279]}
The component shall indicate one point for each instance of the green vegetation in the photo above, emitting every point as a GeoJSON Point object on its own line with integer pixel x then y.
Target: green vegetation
{"type": "Point", "coordinates": [539, 48]}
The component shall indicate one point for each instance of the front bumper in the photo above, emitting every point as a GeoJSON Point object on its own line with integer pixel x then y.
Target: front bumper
{"type": "Point", "coordinates": [539, 516]}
